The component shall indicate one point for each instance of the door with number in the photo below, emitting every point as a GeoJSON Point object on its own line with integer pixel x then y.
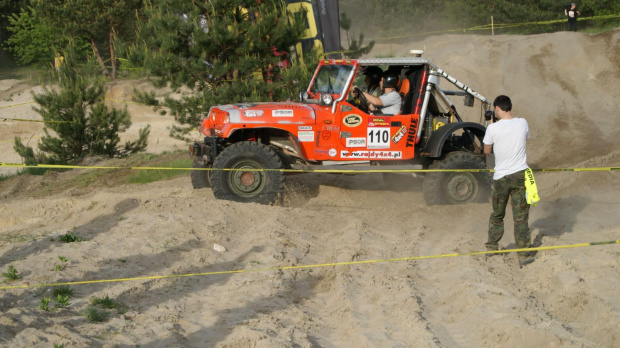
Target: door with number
{"type": "Point", "coordinates": [369, 137]}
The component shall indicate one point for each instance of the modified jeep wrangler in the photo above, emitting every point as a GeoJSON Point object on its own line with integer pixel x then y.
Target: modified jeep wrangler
{"type": "Point", "coordinates": [248, 146]}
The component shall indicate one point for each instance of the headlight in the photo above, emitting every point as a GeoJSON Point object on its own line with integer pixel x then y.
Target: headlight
{"type": "Point", "coordinates": [327, 99]}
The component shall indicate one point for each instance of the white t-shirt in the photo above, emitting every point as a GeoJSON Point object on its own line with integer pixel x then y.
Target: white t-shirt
{"type": "Point", "coordinates": [391, 103]}
{"type": "Point", "coordinates": [508, 138]}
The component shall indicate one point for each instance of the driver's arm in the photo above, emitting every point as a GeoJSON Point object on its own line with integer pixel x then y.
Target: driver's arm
{"type": "Point", "coordinates": [372, 99]}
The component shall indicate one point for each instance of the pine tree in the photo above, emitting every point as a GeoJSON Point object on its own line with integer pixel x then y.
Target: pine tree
{"type": "Point", "coordinates": [81, 123]}
{"type": "Point", "coordinates": [223, 51]}
{"type": "Point", "coordinates": [100, 22]}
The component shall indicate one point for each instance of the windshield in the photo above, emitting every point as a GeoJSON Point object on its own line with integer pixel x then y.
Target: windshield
{"type": "Point", "coordinates": [331, 79]}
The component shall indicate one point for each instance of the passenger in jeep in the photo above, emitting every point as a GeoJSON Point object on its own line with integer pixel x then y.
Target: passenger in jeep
{"type": "Point", "coordinates": [389, 103]}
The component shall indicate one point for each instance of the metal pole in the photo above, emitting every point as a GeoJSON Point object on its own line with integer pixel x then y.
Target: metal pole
{"type": "Point", "coordinates": [492, 27]}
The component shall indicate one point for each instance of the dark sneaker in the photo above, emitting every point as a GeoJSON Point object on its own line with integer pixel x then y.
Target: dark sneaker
{"type": "Point", "coordinates": [526, 261]}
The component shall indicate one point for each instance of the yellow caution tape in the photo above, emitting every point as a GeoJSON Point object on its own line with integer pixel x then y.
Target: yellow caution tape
{"type": "Point", "coordinates": [15, 105]}
{"type": "Point", "coordinates": [351, 263]}
{"type": "Point", "coordinates": [62, 166]}
{"type": "Point", "coordinates": [26, 120]}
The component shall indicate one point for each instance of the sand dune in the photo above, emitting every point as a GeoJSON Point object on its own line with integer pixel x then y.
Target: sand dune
{"type": "Point", "coordinates": [565, 85]}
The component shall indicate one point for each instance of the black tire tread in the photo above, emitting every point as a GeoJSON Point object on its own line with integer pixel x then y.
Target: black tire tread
{"type": "Point", "coordinates": [259, 152]}
{"type": "Point", "coordinates": [433, 182]}
{"type": "Point", "coordinates": [200, 178]}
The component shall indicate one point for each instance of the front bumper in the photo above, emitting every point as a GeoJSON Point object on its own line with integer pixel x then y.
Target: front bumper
{"type": "Point", "coordinates": [206, 151]}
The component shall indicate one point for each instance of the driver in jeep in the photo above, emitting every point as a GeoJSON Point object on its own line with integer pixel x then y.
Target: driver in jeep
{"type": "Point", "coordinates": [390, 102]}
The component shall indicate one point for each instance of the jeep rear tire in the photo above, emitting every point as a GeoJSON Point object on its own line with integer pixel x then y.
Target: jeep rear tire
{"type": "Point", "coordinates": [201, 178]}
{"type": "Point", "coordinates": [457, 187]}
{"type": "Point", "coordinates": [252, 185]}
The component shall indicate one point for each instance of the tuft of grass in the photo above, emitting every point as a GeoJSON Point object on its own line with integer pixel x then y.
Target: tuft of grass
{"type": "Point", "coordinates": [96, 315]}
{"type": "Point", "coordinates": [11, 275]}
{"type": "Point", "coordinates": [147, 176]}
{"type": "Point", "coordinates": [63, 259]}
{"type": "Point", "coordinates": [108, 303]}
{"type": "Point", "coordinates": [70, 238]}
{"type": "Point", "coordinates": [105, 302]}
{"type": "Point", "coordinates": [62, 291]}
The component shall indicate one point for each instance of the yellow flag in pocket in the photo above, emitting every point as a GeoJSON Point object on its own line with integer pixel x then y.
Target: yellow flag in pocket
{"type": "Point", "coordinates": [531, 191]}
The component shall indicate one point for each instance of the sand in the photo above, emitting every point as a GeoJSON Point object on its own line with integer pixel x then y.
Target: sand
{"type": "Point", "coordinates": [565, 85]}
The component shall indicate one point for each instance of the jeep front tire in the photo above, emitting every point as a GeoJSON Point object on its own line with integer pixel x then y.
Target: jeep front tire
{"type": "Point", "coordinates": [248, 172]}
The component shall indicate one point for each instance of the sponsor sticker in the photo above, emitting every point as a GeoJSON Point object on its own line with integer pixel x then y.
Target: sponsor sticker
{"type": "Point", "coordinates": [282, 113]}
{"type": "Point", "coordinates": [321, 151]}
{"type": "Point", "coordinates": [332, 152]}
{"type": "Point", "coordinates": [399, 135]}
{"type": "Point", "coordinates": [386, 154]}
{"type": "Point", "coordinates": [371, 154]}
{"type": "Point", "coordinates": [356, 142]}
{"type": "Point", "coordinates": [253, 113]}
{"type": "Point", "coordinates": [305, 128]}
{"type": "Point", "coordinates": [354, 154]}
{"type": "Point", "coordinates": [305, 136]}
{"type": "Point", "coordinates": [326, 135]}
{"type": "Point", "coordinates": [378, 122]}
{"type": "Point", "coordinates": [352, 120]}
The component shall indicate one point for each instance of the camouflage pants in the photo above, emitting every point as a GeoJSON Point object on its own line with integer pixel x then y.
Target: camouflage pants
{"type": "Point", "coordinates": [510, 187]}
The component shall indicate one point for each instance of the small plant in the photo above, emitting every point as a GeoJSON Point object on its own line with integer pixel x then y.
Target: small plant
{"type": "Point", "coordinates": [62, 301]}
{"type": "Point", "coordinates": [70, 238]}
{"type": "Point", "coordinates": [62, 291]}
{"type": "Point", "coordinates": [105, 302]}
{"type": "Point", "coordinates": [45, 304]}
{"type": "Point", "coordinates": [94, 314]}
{"type": "Point", "coordinates": [108, 303]}
{"type": "Point", "coordinates": [122, 218]}
{"type": "Point", "coordinates": [11, 275]}
{"type": "Point", "coordinates": [59, 345]}
{"type": "Point", "coordinates": [62, 266]}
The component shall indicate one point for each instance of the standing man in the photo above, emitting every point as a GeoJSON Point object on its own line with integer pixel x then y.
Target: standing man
{"type": "Point", "coordinates": [572, 13]}
{"type": "Point", "coordinates": [507, 138]}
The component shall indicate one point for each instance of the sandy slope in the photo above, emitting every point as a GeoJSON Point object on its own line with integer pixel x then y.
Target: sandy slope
{"type": "Point", "coordinates": [565, 84]}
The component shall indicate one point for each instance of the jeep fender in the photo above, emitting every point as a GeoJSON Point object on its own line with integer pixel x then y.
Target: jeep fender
{"type": "Point", "coordinates": [439, 137]}
{"type": "Point", "coordinates": [274, 131]}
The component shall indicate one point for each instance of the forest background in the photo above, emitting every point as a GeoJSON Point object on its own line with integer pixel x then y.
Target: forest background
{"type": "Point", "coordinates": [230, 51]}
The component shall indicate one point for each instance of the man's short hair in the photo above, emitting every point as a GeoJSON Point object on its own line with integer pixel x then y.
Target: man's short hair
{"type": "Point", "coordinates": [503, 102]}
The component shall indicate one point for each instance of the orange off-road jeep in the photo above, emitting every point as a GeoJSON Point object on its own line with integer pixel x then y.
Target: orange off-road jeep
{"type": "Point", "coordinates": [328, 130]}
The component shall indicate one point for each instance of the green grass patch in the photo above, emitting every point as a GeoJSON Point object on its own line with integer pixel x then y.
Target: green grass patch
{"type": "Point", "coordinates": [63, 290]}
{"type": "Point", "coordinates": [147, 176]}
{"type": "Point", "coordinates": [95, 314]}
{"type": "Point", "coordinates": [11, 275]}
{"type": "Point", "coordinates": [70, 238]}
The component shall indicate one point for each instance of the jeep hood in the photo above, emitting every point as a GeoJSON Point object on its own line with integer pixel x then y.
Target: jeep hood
{"type": "Point", "coordinates": [266, 113]}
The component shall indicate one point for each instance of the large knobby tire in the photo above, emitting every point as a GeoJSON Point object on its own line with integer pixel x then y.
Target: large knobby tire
{"type": "Point", "coordinates": [201, 178]}
{"type": "Point", "coordinates": [457, 187]}
{"type": "Point", "coordinates": [251, 185]}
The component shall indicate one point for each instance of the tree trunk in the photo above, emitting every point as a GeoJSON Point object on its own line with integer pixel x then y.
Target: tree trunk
{"type": "Point", "coordinates": [104, 70]}
{"type": "Point", "coordinates": [112, 52]}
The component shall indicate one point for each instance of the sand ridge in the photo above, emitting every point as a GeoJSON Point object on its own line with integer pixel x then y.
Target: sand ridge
{"type": "Point", "coordinates": [565, 85]}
